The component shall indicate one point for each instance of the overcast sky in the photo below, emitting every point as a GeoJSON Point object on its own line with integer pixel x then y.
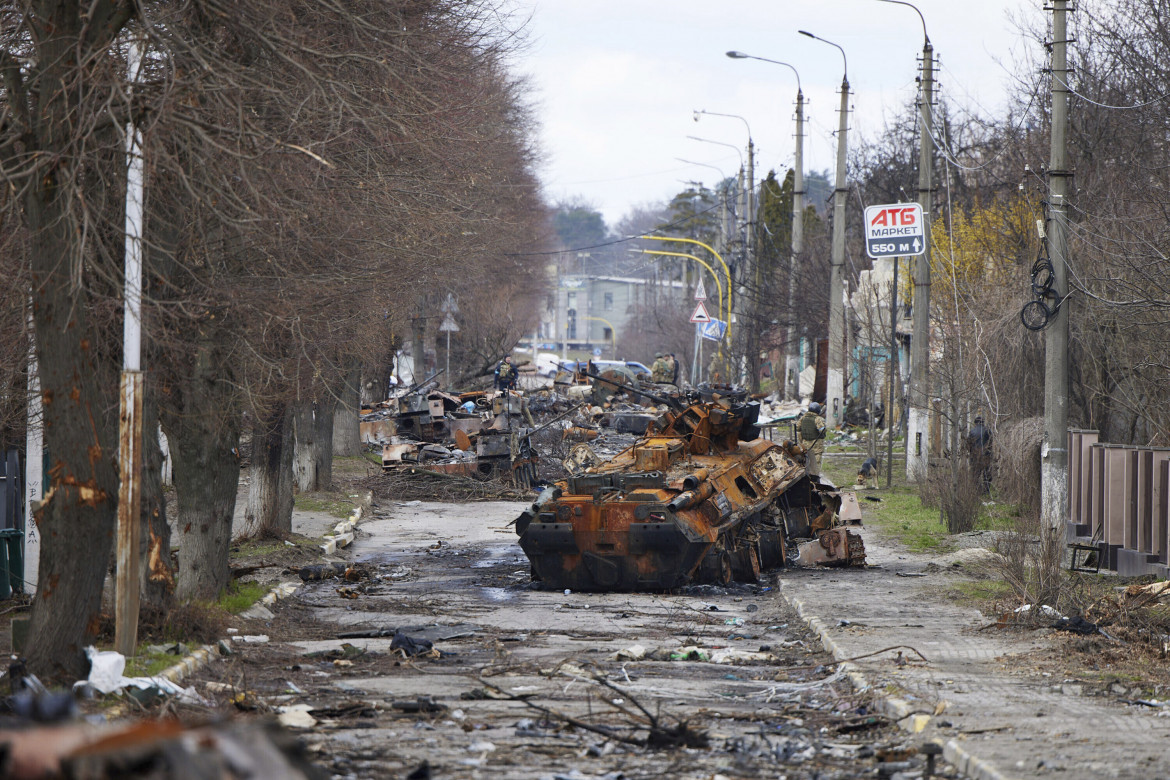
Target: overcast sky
{"type": "Point", "coordinates": [617, 82]}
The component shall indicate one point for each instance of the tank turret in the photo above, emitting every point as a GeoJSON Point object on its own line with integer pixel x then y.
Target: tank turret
{"type": "Point", "coordinates": [700, 498]}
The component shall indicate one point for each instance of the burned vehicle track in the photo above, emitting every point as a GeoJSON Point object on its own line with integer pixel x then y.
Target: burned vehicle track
{"type": "Point", "coordinates": [701, 498]}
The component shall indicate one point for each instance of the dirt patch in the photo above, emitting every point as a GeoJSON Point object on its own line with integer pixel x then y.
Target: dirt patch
{"type": "Point", "coordinates": [273, 558]}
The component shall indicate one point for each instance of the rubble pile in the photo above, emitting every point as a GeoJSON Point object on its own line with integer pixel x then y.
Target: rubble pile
{"type": "Point", "coordinates": [500, 445]}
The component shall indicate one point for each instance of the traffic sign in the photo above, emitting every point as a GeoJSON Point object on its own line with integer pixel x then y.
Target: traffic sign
{"type": "Point", "coordinates": [713, 330]}
{"type": "Point", "coordinates": [700, 292]}
{"type": "Point", "coordinates": [450, 305]}
{"type": "Point", "coordinates": [700, 314]}
{"type": "Point", "coordinates": [894, 230]}
{"type": "Point", "coordinates": [449, 325]}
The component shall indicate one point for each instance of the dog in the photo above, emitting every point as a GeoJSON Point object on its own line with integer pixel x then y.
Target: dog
{"type": "Point", "coordinates": [867, 470]}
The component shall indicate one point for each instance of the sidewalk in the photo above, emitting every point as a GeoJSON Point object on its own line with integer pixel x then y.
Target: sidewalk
{"type": "Point", "coordinates": [1013, 721]}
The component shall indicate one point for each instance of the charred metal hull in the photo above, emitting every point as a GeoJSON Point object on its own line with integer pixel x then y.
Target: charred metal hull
{"type": "Point", "coordinates": [690, 502]}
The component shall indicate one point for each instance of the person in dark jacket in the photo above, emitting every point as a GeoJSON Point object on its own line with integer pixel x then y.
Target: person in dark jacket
{"type": "Point", "coordinates": [506, 374]}
{"type": "Point", "coordinates": [979, 448]}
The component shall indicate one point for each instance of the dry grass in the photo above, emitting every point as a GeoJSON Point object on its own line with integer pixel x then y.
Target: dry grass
{"type": "Point", "coordinates": [1017, 465]}
{"type": "Point", "coordinates": [954, 488]}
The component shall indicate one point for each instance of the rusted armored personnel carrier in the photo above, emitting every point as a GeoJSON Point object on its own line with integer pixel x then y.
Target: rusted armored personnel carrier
{"type": "Point", "coordinates": [700, 498]}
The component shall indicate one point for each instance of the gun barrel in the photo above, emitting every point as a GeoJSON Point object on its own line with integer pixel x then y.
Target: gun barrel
{"type": "Point", "coordinates": [415, 388]}
{"type": "Point", "coordinates": [673, 403]}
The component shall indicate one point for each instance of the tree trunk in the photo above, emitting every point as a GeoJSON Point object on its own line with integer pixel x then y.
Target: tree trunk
{"type": "Point", "coordinates": [76, 518]}
{"type": "Point", "coordinates": [157, 573]}
{"type": "Point", "coordinates": [207, 478]}
{"type": "Point", "coordinates": [347, 439]}
{"type": "Point", "coordinates": [304, 456]}
{"type": "Point", "coordinates": [270, 495]}
{"type": "Point", "coordinates": [313, 455]}
{"type": "Point", "coordinates": [322, 452]}
{"type": "Point", "coordinates": [418, 369]}
{"type": "Point", "coordinates": [78, 383]}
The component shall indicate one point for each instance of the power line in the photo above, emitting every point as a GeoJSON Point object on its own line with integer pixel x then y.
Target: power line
{"type": "Point", "coordinates": [1088, 99]}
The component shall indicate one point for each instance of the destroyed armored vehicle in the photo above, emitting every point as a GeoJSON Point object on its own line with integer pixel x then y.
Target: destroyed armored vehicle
{"type": "Point", "coordinates": [701, 498]}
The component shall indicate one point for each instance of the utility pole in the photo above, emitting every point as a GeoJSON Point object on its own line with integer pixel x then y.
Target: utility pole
{"type": "Point", "coordinates": [835, 388]}
{"type": "Point", "coordinates": [130, 463]}
{"type": "Point", "coordinates": [918, 418]}
{"type": "Point", "coordinates": [1054, 451]}
{"type": "Point", "coordinates": [791, 360]}
{"type": "Point", "coordinates": [752, 339]}
{"type": "Point", "coordinates": [791, 385]}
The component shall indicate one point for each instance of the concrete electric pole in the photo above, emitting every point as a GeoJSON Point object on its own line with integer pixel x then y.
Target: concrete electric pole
{"type": "Point", "coordinates": [835, 389]}
{"type": "Point", "coordinates": [792, 358]}
{"type": "Point", "coordinates": [1054, 450]}
{"type": "Point", "coordinates": [130, 419]}
{"type": "Point", "coordinates": [791, 386]}
{"type": "Point", "coordinates": [918, 413]}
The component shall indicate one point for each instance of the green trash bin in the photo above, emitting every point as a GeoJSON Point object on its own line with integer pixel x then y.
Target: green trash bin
{"type": "Point", "coordinates": [11, 562]}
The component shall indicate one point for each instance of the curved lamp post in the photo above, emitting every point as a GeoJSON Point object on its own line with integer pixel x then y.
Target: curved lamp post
{"type": "Point", "coordinates": [792, 341]}
{"type": "Point", "coordinates": [835, 390]}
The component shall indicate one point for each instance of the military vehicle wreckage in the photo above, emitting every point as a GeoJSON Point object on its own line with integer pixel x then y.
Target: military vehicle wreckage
{"type": "Point", "coordinates": [701, 498]}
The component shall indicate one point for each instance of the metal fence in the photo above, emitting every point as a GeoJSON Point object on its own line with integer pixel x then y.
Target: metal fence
{"type": "Point", "coordinates": [1119, 503]}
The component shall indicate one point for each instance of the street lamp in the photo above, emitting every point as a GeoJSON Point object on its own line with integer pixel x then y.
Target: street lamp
{"type": "Point", "coordinates": [825, 40]}
{"type": "Point", "coordinates": [720, 143]}
{"type": "Point", "coordinates": [749, 221]}
{"type": "Point", "coordinates": [722, 175]}
{"type": "Point", "coordinates": [791, 379]}
{"type": "Point", "coordinates": [834, 391]}
{"type": "Point", "coordinates": [749, 212]}
{"type": "Point", "coordinates": [918, 406]}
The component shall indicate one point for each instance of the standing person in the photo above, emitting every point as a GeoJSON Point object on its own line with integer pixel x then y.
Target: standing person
{"type": "Point", "coordinates": [673, 369]}
{"type": "Point", "coordinates": [979, 448]}
{"type": "Point", "coordinates": [659, 372]}
{"type": "Point", "coordinates": [506, 374]}
{"type": "Point", "coordinates": [810, 430]}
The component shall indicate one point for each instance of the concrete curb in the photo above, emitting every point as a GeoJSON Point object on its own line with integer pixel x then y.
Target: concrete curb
{"type": "Point", "coordinates": [343, 532]}
{"type": "Point", "coordinates": [897, 709]}
{"type": "Point", "coordinates": [202, 656]}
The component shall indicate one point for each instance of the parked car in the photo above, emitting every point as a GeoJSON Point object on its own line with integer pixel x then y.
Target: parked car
{"type": "Point", "coordinates": [633, 365]}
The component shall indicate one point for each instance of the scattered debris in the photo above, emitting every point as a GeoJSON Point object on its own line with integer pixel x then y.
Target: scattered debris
{"type": "Point", "coordinates": [421, 704]}
{"type": "Point", "coordinates": [106, 676]}
{"type": "Point", "coordinates": [410, 647]}
{"type": "Point", "coordinates": [154, 748]}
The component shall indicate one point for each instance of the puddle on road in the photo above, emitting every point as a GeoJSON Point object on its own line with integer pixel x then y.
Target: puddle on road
{"type": "Point", "coordinates": [499, 554]}
{"type": "Point", "coordinates": [498, 595]}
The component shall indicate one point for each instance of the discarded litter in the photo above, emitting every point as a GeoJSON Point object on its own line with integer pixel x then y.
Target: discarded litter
{"type": "Point", "coordinates": [323, 571]}
{"type": "Point", "coordinates": [106, 676]}
{"type": "Point", "coordinates": [421, 704]}
{"type": "Point", "coordinates": [1076, 624]}
{"type": "Point", "coordinates": [409, 646]}
{"type": "Point", "coordinates": [1043, 609]}
{"type": "Point", "coordinates": [296, 716]}
{"type": "Point", "coordinates": [251, 639]}
{"type": "Point", "coordinates": [631, 653]}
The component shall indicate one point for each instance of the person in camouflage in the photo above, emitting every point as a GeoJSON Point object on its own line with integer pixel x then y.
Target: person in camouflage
{"type": "Point", "coordinates": [810, 430]}
{"type": "Point", "coordinates": [660, 371]}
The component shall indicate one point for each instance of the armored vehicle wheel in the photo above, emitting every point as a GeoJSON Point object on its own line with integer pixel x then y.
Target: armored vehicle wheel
{"type": "Point", "coordinates": [715, 568]}
{"type": "Point", "coordinates": [745, 563]}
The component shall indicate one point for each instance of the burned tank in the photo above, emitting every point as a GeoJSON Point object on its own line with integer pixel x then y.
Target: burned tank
{"type": "Point", "coordinates": [701, 498]}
